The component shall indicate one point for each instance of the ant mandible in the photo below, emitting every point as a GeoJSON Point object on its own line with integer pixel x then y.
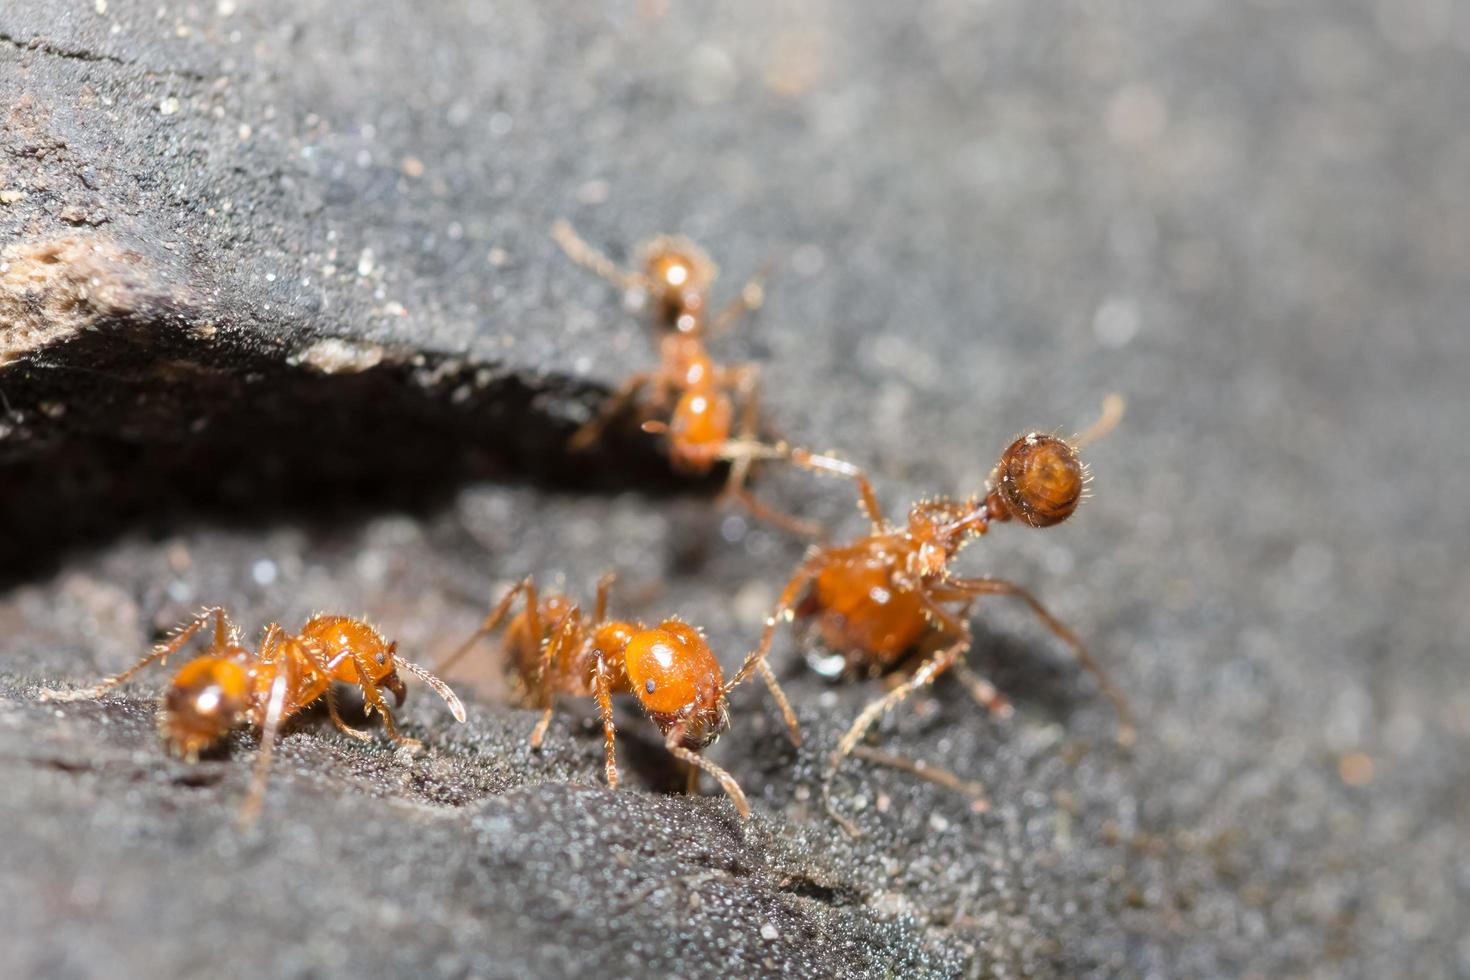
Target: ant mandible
{"type": "Point", "coordinates": [877, 599]}
{"type": "Point", "coordinates": [232, 685]}
{"type": "Point", "coordinates": [677, 275]}
{"type": "Point", "coordinates": [669, 668]}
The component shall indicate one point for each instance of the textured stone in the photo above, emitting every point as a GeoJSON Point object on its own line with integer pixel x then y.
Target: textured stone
{"type": "Point", "coordinates": [307, 344]}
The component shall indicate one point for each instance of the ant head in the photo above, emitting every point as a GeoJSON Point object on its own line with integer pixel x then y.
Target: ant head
{"type": "Point", "coordinates": [337, 636]}
{"type": "Point", "coordinates": [679, 274]}
{"type": "Point", "coordinates": [677, 680]}
{"type": "Point", "coordinates": [205, 700]}
{"type": "Point", "coordinates": [1039, 480]}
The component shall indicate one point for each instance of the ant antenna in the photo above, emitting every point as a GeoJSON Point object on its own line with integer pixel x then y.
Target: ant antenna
{"type": "Point", "coordinates": [588, 257]}
{"type": "Point", "coordinates": [1112, 413]}
{"type": "Point", "coordinates": [456, 708]}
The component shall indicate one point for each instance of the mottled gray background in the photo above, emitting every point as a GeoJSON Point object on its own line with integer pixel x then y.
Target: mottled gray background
{"type": "Point", "coordinates": [281, 327]}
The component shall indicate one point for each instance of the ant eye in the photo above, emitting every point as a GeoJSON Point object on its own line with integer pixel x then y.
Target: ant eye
{"type": "Point", "coordinates": [649, 686]}
{"type": "Point", "coordinates": [382, 659]}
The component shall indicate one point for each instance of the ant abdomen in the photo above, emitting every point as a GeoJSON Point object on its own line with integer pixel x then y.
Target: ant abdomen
{"type": "Point", "coordinates": [1039, 480]}
{"type": "Point", "coordinates": [206, 698]}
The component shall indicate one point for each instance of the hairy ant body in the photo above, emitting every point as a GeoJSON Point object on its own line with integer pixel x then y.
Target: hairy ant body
{"type": "Point", "coordinates": [711, 409]}
{"type": "Point", "coordinates": [890, 593]}
{"type": "Point", "coordinates": [549, 651]}
{"type": "Point", "coordinates": [231, 685]}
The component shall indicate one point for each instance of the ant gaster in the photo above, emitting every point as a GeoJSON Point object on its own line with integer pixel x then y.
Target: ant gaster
{"type": "Point", "coordinates": [231, 685]}
{"type": "Point", "coordinates": [889, 593]}
{"type": "Point", "coordinates": [699, 398]}
{"type": "Point", "coordinates": [549, 651]}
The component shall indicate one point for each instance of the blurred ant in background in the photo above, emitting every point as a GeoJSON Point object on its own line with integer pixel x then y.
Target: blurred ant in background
{"type": "Point", "coordinates": [232, 686]}
{"type": "Point", "coordinates": [889, 594]}
{"type": "Point", "coordinates": [695, 400]}
{"type": "Point", "coordinates": [549, 650]}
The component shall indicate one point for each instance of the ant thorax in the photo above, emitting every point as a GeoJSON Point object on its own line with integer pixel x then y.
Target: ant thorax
{"type": "Point", "coordinates": [866, 606]}
{"type": "Point", "coordinates": [687, 360]}
{"type": "Point", "coordinates": [945, 527]}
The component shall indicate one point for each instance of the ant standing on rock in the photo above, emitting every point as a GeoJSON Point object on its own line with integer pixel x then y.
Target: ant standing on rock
{"type": "Point", "coordinates": [699, 397]}
{"type": "Point", "coordinates": [880, 598]}
{"type": "Point", "coordinates": [232, 685]}
{"type": "Point", "coordinates": [669, 668]}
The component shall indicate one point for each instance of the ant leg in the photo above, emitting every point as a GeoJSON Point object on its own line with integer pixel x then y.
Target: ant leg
{"type": "Point", "coordinates": [800, 526]}
{"type": "Point", "coordinates": [1127, 733]}
{"type": "Point", "coordinates": [591, 431]}
{"type": "Point", "coordinates": [590, 258]}
{"type": "Point", "coordinates": [268, 643]}
{"type": "Point", "coordinates": [867, 498]}
{"type": "Point", "coordinates": [538, 734]}
{"type": "Point", "coordinates": [375, 699]}
{"type": "Point", "coordinates": [980, 689]}
{"type": "Point", "coordinates": [605, 707]}
{"type": "Point", "coordinates": [756, 659]}
{"type": "Point", "coordinates": [746, 381]}
{"type": "Point", "coordinates": [604, 587]}
{"type": "Point", "coordinates": [673, 741]}
{"type": "Point", "coordinates": [785, 606]}
{"type": "Point", "coordinates": [551, 651]}
{"type": "Point", "coordinates": [342, 726]}
{"type": "Point", "coordinates": [793, 727]}
{"type": "Point", "coordinates": [927, 771]}
{"type": "Point", "coordinates": [758, 663]}
{"type": "Point", "coordinates": [223, 629]}
{"type": "Point", "coordinates": [493, 621]}
{"type": "Point", "coordinates": [691, 780]}
{"type": "Point", "coordinates": [752, 297]}
{"type": "Point", "coordinates": [273, 632]}
{"type": "Point", "coordinates": [270, 729]}
{"type": "Point", "coordinates": [226, 633]}
{"type": "Point", "coordinates": [925, 674]}
{"type": "Point", "coordinates": [746, 448]}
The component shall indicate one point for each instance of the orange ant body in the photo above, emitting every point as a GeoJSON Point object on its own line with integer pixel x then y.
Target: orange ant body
{"type": "Point", "coordinates": [232, 686]}
{"type": "Point", "coordinates": [700, 398]}
{"type": "Point", "coordinates": [880, 598]}
{"type": "Point", "coordinates": [549, 651]}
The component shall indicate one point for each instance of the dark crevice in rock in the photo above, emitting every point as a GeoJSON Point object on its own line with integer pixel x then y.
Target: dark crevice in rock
{"type": "Point", "coordinates": [133, 397]}
{"type": "Point", "coordinates": [827, 892]}
{"type": "Point", "coordinates": [131, 435]}
{"type": "Point", "coordinates": [81, 54]}
{"type": "Point", "coordinates": [199, 778]}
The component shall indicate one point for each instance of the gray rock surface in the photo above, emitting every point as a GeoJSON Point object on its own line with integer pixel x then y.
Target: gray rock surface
{"type": "Point", "coordinates": [281, 328]}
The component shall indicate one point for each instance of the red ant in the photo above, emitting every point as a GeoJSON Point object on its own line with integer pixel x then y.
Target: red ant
{"type": "Point", "coordinates": [677, 275]}
{"type": "Point", "coordinates": [882, 597]}
{"type": "Point", "coordinates": [232, 685]}
{"type": "Point", "coordinates": [669, 668]}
